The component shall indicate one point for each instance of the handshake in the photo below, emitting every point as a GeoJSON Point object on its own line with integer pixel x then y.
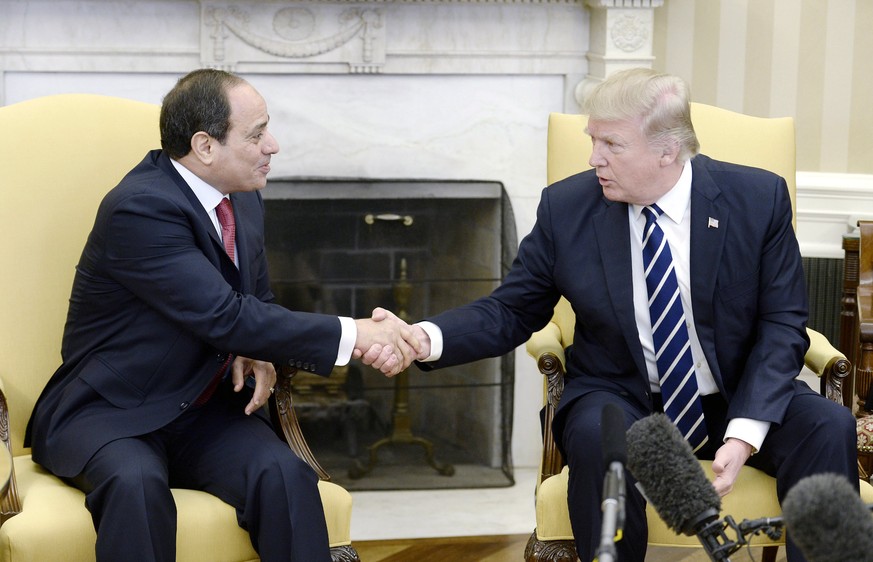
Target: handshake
{"type": "Point", "coordinates": [389, 344]}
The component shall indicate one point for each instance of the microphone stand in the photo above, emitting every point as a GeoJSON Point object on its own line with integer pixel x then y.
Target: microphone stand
{"type": "Point", "coordinates": [719, 547]}
{"type": "Point", "coordinates": [613, 512]}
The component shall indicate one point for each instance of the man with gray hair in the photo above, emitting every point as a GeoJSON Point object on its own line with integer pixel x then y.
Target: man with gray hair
{"type": "Point", "coordinates": [686, 279]}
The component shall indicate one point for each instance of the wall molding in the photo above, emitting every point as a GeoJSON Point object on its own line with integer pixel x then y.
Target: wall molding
{"type": "Point", "coordinates": [829, 205]}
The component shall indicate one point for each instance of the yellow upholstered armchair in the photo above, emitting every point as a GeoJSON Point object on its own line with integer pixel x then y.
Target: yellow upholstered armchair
{"type": "Point", "coordinates": [724, 135]}
{"type": "Point", "coordinates": [58, 156]}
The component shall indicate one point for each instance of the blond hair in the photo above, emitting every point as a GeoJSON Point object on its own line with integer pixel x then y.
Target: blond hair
{"type": "Point", "coordinates": [660, 100]}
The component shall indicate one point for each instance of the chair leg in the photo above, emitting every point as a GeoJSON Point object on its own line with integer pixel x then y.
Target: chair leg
{"type": "Point", "coordinates": [344, 554]}
{"type": "Point", "coordinates": [768, 553]}
{"type": "Point", "coordinates": [549, 551]}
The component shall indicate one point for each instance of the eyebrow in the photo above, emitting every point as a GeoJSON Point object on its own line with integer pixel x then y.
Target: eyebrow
{"type": "Point", "coordinates": [608, 137]}
{"type": "Point", "coordinates": [259, 127]}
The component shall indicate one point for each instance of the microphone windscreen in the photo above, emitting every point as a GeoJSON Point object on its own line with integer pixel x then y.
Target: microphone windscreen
{"type": "Point", "coordinates": [825, 517]}
{"type": "Point", "coordinates": [670, 475]}
{"type": "Point", "coordinates": [613, 435]}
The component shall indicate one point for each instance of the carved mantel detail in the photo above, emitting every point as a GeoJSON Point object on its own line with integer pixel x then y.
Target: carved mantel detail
{"type": "Point", "coordinates": [621, 37]}
{"type": "Point", "coordinates": [270, 33]}
{"type": "Point", "coordinates": [629, 32]}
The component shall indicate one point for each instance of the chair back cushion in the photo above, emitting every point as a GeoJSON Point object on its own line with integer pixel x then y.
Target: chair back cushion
{"type": "Point", "coordinates": [58, 156]}
{"type": "Point", "coordinates": [766, 143]}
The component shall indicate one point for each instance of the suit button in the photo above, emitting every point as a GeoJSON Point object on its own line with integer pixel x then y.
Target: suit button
{"type": "Point", "coordinates": [221, 357]}
{"type": "Point", "coordinates": [290, 362]}
{"type": "Point", "coordinates": [306, 366]}
{"type": "Point", "coordinates": [184, 405]}
{"type": "Point", "coordinates": [299, 364]}
{"type": "Point", "coordinates": [313, 367]}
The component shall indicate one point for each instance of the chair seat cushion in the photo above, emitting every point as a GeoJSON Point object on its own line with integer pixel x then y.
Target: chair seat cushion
{"type": "Point", "coordinates": [54, 523]}
{"type": "Point", "coordinates": [753, 496]}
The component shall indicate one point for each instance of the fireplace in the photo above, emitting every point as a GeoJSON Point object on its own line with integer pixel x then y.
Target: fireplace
{"type": "Point", "coordinates": [417, 248]}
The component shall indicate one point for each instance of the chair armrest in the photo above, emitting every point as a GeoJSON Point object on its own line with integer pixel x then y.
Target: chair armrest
{"type": "Point", "coordinates": [546, 348]}
{"type": "Point", "coordinates": [831, 366]}
{"type": "Point", "coordinates": [10, 503]}
{"type": "Point", "coordinates": [285, 418]}
{"type": "Point", "coordinates": [544, 343]}
{"type": "Point", "coordinates": [822, 355]}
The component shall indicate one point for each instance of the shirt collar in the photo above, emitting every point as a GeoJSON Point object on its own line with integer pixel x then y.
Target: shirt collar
{"type": "Point", "coordinates": [676, 201]}
{"type": "Point", "coordinates": [208, 196]}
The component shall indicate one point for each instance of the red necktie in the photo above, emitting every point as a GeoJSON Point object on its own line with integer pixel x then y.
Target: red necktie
{"type": "Point", "coordinates": [224, 210]}
{"type": "Point", "coordinates": [228, 226]}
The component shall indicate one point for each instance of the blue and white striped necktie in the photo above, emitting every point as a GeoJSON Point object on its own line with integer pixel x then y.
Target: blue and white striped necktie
{"type": "Point", "coordinates": [672, 347]}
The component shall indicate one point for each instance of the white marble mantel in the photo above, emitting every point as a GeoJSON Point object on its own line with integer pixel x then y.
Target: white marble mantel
{"type": "Point", "coordinates": [412, 89]}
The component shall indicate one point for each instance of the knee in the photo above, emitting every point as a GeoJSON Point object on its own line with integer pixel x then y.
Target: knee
{"type": "Point", "coordinates": [283, 468]}
{"type": "Point", "coordinates": [846, 426]}
{"type": "Point", "coordinates": [834, 428]}
{"type": "Point", "coordinates": [841, 422]}
{"type": "Point", "coordinates": [136, 477]}
{"type": "Point", "coordinates": [580, 441]}
{"type": "Point", "coordinates": [131, 487]}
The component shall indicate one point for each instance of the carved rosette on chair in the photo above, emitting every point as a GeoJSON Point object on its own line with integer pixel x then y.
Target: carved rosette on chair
{"type": "Point", "coordinates": [552, 551]}
{"type": "Point", "coordinates": [344, 554]}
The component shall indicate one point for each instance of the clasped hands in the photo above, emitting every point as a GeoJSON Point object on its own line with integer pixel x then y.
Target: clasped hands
{"type": "Point", "coordinates": [385, 342]}
{"type": "Point", "coordinates": [389, 344]}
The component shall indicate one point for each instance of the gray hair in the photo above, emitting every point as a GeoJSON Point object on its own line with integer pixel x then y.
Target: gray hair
{"type": "Point", "coordinates": [661, 100]}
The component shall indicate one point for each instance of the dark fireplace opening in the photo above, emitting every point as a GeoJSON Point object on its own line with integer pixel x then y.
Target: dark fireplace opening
{"type": "Point", "coordinates": [417, 248]}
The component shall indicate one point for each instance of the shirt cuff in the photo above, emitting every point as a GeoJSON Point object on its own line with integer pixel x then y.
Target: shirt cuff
{"type": "Point", "coordinates": [347, 341]}
{"type": "Point", "coordinates": [751, 431]}
{"type": "Point", "coordinates": [436, 340]}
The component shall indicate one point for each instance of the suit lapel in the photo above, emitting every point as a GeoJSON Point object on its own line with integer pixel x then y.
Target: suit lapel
{"type": "Point", "coordinates": [613, 241]}
{"type": "Point", "coordinates": [710, 221]}
{"type": "Point", "coordinates": [219, 257]}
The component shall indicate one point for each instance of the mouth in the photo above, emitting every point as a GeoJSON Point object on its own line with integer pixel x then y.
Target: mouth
{"type": "Point", "coordinates": [264, 168]}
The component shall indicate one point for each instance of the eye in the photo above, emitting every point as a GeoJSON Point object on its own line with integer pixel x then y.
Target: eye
{"type": "Point", "coordinates": [615, 147]}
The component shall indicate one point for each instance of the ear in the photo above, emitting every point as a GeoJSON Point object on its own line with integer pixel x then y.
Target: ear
{"type": "Point", "coordinates": [669, 153]}
{"type": "Point", "coordinates": [202, 147]}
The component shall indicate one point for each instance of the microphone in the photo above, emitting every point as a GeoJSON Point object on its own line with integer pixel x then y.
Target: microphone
{"type": "Point", "coordinates": [614, 445]}
{"type": "Point", "coordinates": [673, 481]}
{"type": "Point", "coordinates": [670, 475]}
{"type": "Point", "coordinates": [827, 519]}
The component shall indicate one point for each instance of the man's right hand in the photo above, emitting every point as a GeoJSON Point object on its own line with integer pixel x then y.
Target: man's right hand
{"type": "Point", "coordinates": [386, 342]}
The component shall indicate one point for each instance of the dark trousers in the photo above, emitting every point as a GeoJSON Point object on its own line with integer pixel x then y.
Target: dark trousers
{"type": "Point", "coordinates": [816, 436]}
{"type": "Point", "coordinates": [218, 449]}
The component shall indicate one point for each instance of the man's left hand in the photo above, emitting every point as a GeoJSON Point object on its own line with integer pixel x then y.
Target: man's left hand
{"type": "Point", "coordinates": [728, 461]}
{"type": "Point", "coordinates": [264, 374]}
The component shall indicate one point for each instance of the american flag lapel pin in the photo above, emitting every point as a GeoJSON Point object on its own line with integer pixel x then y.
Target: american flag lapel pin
{"type": "Point", "coordinates": [713, 223]}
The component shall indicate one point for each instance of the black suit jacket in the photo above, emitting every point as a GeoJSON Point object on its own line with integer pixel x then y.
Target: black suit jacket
{"type": "Point", "coordinates": [156, 306]}
{"type": "Point", "coordinates": [747, 289]}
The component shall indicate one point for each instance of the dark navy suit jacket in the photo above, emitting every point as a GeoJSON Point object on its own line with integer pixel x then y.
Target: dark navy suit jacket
{"type": "Point", "coordinates": [747, 290]}
{"type": "Point", "coordinates": [155, 308]}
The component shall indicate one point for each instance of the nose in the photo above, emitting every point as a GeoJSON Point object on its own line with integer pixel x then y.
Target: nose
{"type": "Point", "coordinates": [270, 144]}
{"type": "Point", "coordinates": [596, 159]}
